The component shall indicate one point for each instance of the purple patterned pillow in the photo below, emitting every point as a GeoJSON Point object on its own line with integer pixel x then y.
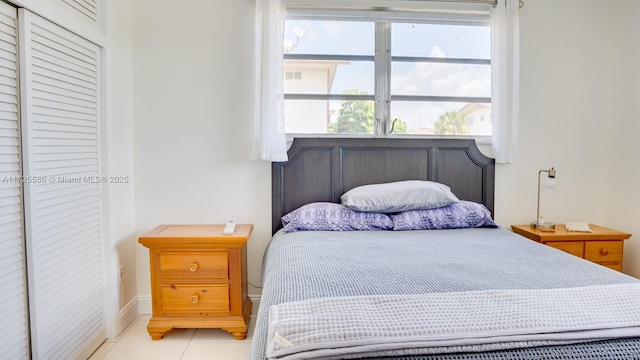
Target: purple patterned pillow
{"type": "Point", "coordinates": [324, 216]}
{"type": "Point", "coordinates": [465, 214]}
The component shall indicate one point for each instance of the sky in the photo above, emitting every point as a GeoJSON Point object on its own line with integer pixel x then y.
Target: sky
{"type": "Point", "coordinates": [407, 78]}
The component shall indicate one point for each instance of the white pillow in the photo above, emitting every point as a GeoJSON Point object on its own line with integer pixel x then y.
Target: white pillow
{"type": "Point", "coordinates": [399, 196]}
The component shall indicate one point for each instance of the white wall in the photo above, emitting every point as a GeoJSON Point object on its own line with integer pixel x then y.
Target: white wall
{"type": "Point", "coordinates": [193, 105]}
{"type": "Point", "coordinates": [119, 149]}
{"type": "Point", "coordinates": [193, 108]}
{"type": "Point", "coordinates": [564, 113]}
{"type": "Point", "coordinates": [623, 195]}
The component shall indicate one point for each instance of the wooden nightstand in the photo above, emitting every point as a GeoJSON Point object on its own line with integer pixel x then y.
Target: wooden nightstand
{"type": "Point", "coordinates": [602, 246]}
{"type": "Point", "coordinates": [198, 278]}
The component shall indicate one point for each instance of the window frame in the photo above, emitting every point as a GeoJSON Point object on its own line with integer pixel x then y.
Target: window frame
{"type": "Point", "coordinates": [382, 60]}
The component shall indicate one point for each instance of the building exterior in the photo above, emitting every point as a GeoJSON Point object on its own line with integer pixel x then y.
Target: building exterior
{"type": "Point", "coordinates": [479, 119]}
{"type": "Point", "coordinates": [308, 77]}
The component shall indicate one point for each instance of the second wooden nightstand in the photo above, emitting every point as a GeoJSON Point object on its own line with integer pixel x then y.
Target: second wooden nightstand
{"type": "Point", "coordinates": [198, 278]}
{"type": "Point", "coordinates": [602, 246]}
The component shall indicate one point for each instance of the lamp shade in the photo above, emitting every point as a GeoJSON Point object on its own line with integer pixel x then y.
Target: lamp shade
{"type": "Point", "coordinates": [550, 183]}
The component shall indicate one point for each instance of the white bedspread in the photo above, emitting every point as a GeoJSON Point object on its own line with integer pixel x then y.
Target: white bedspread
{"type": "Point", "coordinates": [468, 321]}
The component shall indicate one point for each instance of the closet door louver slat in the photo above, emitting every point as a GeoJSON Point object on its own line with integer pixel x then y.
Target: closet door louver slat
{"type": "Point", "coordinates": [14, 333]}
{"type": "Point", "coordinates": [86, 9]}
{"type": "Point", "coordinates": [61, 114]}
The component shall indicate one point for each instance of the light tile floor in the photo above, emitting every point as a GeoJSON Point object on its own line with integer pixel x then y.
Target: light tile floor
{"type": "Point", "coordinates": [178, 344]}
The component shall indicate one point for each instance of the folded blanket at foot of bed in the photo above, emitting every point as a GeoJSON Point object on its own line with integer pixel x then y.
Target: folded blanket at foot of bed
{"type": "Point", "coordinates": [386, 325]}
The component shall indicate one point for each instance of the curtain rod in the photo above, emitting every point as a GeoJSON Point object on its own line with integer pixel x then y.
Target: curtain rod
{"type": "Point", "coordinates": [303, 4]}
{"type": "Point", "coordinates": [491, 2]}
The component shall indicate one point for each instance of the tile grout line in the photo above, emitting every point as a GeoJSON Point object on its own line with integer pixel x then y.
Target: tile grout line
{"type": "Point", "coordinates": [188, 343]}
{"type": "Point", "coordinates": [117, 339]}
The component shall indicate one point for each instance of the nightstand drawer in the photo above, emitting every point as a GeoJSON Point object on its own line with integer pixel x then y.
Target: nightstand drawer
{"type": "Point", "coordinates": [604, 252]}
{"type": "Point", "coordinates": [572, 247]}
{"type": "Point", "coordinates": [195, 298]}
{"type": "Point", "coordinates": [202, 265]}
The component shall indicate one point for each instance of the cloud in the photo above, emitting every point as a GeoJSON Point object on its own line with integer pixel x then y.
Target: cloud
{"type": "Point", "coordinates": [436, 52]}
{"type": "Point", "coordinates": [442, 79]}
{"type": "Point", "coordinates": [437, 80]}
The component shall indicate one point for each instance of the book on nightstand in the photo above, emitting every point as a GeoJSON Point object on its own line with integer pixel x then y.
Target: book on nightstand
{"type": "Point", "coordinates": [577, 226]}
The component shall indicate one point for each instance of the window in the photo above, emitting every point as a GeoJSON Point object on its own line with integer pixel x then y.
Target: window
{"type": "Point", "coordinates": [293, 75]}
{"type": "Point", "coordinates": [383, 73]}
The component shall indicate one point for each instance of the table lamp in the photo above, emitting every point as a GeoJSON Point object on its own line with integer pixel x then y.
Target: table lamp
{"type": "Point", "coordinates": [540, 224]}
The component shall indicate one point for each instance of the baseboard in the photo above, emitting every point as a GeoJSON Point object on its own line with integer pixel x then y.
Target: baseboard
{"type": "Point", "coordinates": [144, 305]}
{"type": "Point", "coordinates": [128, 315]}
{"type": "Point", "coordinates": [255, 299]}
{"type": "Point", "coordinates": [145, 308]}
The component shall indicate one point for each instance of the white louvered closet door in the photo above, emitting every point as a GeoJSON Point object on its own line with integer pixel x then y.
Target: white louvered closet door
{"type": "Point", "coordinates": [61, 151]}
{"type": "Point", "coordinates": [14, 333]}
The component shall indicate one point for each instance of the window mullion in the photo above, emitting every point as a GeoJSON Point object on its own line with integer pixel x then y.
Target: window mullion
{"type": "Point", "coordinates": [382, 78]}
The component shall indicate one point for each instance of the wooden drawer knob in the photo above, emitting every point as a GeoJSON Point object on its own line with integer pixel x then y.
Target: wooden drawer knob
{"type": "Point", "coordinates": [195, 299]}
{"type": "Point", "coordinates": [193, 267]}
{"type": "Point", "coordinates": [604, 252]}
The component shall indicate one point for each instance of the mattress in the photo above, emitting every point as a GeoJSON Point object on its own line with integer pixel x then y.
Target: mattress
{"type": "Point", "coordinates": [317, 264]}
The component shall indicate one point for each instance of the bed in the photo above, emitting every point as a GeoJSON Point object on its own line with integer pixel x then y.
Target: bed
{"type": "Point", "coordinates": [342, 270]}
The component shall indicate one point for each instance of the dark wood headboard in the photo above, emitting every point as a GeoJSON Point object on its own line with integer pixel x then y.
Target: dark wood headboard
{"type": "Point", "coordinates": [322, 169]}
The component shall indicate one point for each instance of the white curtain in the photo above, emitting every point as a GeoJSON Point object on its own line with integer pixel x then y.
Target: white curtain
{"type": "Point", "coordinates": [505, 80]}
{"type": "Point", "coordinates": [270, 142]}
